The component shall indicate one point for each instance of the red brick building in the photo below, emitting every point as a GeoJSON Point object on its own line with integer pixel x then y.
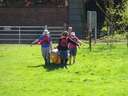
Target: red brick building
{"type": "Point", "coordinates": [50, 12]}
{"type": "Point", "coordinates": [33, 12]}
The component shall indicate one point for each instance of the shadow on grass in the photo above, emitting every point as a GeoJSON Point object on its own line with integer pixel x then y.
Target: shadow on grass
{"type": "Point", "coordinates": [36, 66]}
{"type": "Point", "coordinates": [50, 67]}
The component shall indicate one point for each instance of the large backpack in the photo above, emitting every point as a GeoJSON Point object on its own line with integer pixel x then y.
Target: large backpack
{"type": "Point", "coordinates": [63, 43]}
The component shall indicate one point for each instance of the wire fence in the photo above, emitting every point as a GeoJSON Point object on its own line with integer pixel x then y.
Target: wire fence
{"type": "Point", "coordinates": [26, 34]}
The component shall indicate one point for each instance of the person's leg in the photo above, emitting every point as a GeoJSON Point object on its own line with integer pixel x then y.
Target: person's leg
{"type": "Point", "coordinates": [65, 58]}
{"type": "Point", "coordinates": [62, 61]}
{"type": "Point", "coordinates": [74, 59]}
{"type": "Point", "coordinates": [74, 54]}
{"type": "Point", "coordinates": [43, 54]}
{"type": "Point", "coordinates": [70, 59]}
{"type": "Point", "coordinates": [47, 55]}
{"type": "Point", "coordinates": [63, 55]}
{"type": "Point", "coordinates": [71, 55]}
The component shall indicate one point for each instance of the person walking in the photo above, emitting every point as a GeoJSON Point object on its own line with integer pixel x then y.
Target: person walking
{"type": "Point", "coordinates": [46, 45]}
{"type": "Point", "coordinates": [63, 48]}
{"type": "Point", "coordinates": [74, 42]}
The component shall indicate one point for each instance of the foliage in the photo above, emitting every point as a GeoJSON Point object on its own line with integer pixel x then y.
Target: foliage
{"type": "Point", "coordinates": [125, 15]}
{"type": "Point", "coordinates": [114, 38]}
{"type": "Point", "coordinates": [117, 14]}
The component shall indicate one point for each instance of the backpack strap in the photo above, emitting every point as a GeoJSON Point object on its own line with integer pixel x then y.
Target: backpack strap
{"type": "Point", "coordinates": [72, 41]}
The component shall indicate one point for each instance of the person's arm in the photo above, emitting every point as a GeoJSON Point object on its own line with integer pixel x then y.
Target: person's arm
{"type": "Point", "coordinates": [72, 41]}
{"type": "Point", "coordinates": [38, 39]}
{"type": "Point", "coordinates": [35, 41]}
{"type": "Point", "coordinates": [79, 41]}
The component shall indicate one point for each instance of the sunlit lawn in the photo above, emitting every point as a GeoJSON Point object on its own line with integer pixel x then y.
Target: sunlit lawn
{"type": "Point", "coordinates": [102, 72]}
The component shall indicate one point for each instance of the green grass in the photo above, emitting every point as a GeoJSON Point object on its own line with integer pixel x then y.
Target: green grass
{"type": "Point", "coordinates": [102, 72]}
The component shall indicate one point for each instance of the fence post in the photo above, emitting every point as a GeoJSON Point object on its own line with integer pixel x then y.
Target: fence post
{"type": "Point", "coordinates": [90, 30]}
{"type": "Point", "coordinates": [19, 35]}
{"type": "Point", "coordinates": [95, 34]}
{"type": "Point", "coordinates": [90, 39]}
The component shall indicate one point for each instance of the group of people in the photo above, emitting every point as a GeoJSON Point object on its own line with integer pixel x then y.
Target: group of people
{"type": "Point", "coordinates": [68, 43]}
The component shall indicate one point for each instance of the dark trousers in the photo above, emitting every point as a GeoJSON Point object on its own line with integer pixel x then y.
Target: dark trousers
{"type": "Point", "coordinates": [64, 57]}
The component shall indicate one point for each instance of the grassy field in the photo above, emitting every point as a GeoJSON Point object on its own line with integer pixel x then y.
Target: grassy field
{"type": "Point", "coordinates": [102, 72]}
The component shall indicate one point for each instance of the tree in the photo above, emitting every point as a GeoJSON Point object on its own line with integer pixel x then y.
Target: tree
{"type": "Point", "coordinates": [117, 13]}
{"type": "Point", "coordinates": [116, 17]}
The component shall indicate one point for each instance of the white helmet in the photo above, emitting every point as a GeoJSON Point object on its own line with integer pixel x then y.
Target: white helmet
{"type": "Point", "coordinates": [46, 31]}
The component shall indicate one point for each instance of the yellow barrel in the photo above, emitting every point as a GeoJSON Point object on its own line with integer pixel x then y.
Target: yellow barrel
{"type": "Point", "coordinates": [54, 57]}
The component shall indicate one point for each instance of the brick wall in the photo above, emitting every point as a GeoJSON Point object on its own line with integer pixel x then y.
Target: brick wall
{"type": "Point", "coordinates": [33, 16]}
